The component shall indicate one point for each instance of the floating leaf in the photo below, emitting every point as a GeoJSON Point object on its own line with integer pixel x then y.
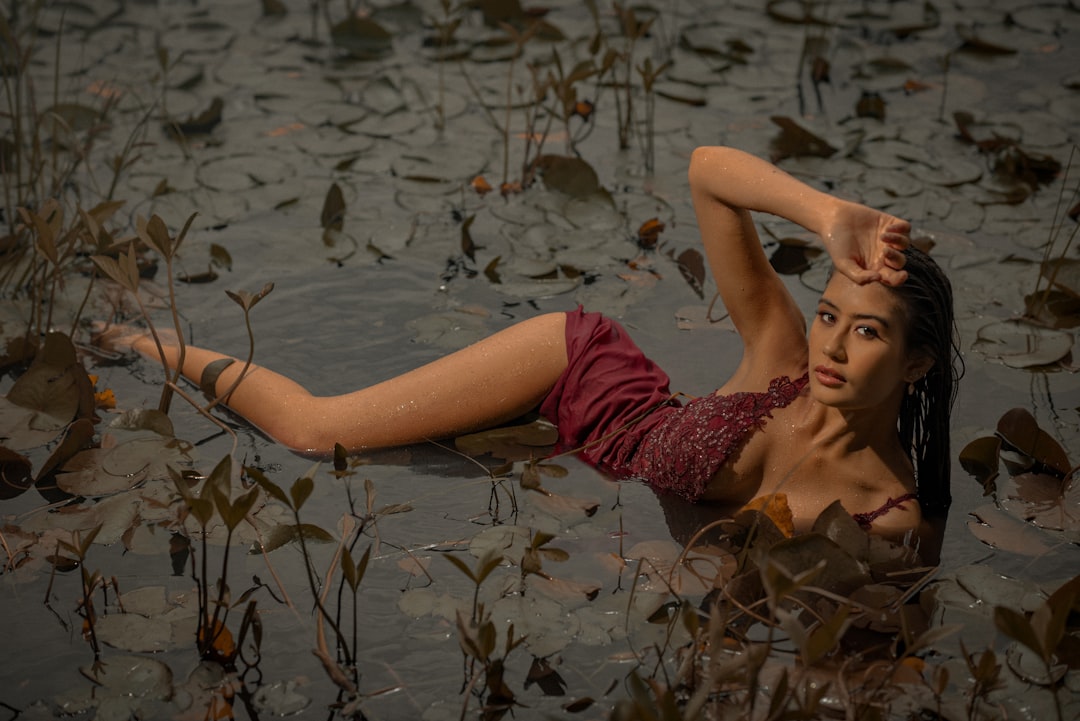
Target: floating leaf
{"type": "Point", "coordinates": [273, 8]}
{"type": "Point", "coordinates": [1005, 531]}
{"type": "Point", "coordinates": [1021, 431]}
{"type": "Point", "coordinates": [333, 210]}
{"type": "Point", "coordinates": [73, 116]}
{"type": "Point", "coordinates": [510, 443]}
{"type": "Point", "coordinates": [220, 257]}
{"type": "Point", "coordinates": [1053, 308]}
{"type": "Point", "coordinates": [841, 573]}
{"type": "Point", "coordinates": [980, 458]}
{"type": "Point", "coordinates": [103, 471]}
{"type": "Point", "coordinates": [649, 233]}
{"type": "Point", "coordinates": [793, 256]}
{"type": "Point", "coordinates": [144, 419]}
{"type": "Point", "coordinates": [796, 141]}
{"type": "Point", "coordinates": [569, 175]}
{"type": "Point", "coordinates": [15, 474]}
{"type": "Point", "coordinates": [55, 386]}
{"type": "Point", "coordinates": [481, 186]}
{"type": "Point", "coordinates": [201, 124]}
{"type": "Point", "coordinates": [547, 678]}
{"type": "Point", "coordinates": [691, 264]}
{"type": "Point", "coordinates": [362, 37]}
{"type": "Point", "coordinates": [978, 44]}
{"type": "Point", "coordinates": [135, 633]}
{"type": "Point", "coordinates": [1019, 344]}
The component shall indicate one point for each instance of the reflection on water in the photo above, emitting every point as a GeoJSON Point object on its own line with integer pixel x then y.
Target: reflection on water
{"type": "Point", "coordinates": [403, 135]}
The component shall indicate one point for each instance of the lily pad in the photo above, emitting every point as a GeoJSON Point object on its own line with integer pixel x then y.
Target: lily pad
{"type": "Point", "coordinates": [103, 471]}
{"type": "Point", "coordinates": [362, 38]}
{"type": "Point", "coordinates": [1004, 531]}
{"type": "Point", "coordinates": [15, 476]}
{"type": "Point", "coordinates": [133, 632]}
{"type": "Point", "coordinates": [54, 387]}
{"type": "Point", "coordinates": [509, 443]}
{"type": "Point", "coordinates": [1018, 344]}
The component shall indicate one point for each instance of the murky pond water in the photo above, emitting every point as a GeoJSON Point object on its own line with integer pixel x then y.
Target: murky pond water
{"type": "Point", "coordinates": [412, 262]}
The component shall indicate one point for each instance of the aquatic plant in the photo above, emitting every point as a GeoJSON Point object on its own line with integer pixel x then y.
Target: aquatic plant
{"type": "Point", "coordinates": [477, 637]}
{"type": "Point", "coordinates": [45, 153]}
{"type": "Point", "coordinates": [213, 639]}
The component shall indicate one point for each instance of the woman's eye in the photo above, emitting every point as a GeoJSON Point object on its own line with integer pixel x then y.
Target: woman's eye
{"type": "Point", "coordinates": [826, 316]}
{"type": "Point", "coordinates": [867, 331]}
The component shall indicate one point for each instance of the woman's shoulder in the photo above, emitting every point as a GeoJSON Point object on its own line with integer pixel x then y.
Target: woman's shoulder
{"type": "Point", "coordinates": [785, 376]}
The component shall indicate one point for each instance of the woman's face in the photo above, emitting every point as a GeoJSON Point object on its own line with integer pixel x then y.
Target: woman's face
{"type": "Point", "coordinates": [858, 355]}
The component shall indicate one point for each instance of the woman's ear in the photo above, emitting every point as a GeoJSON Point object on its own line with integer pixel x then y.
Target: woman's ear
{"type": "Point", "coordinates": [918, 366]}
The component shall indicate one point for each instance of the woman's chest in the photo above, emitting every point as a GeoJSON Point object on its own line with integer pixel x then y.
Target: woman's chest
{"type": "Point", "coordinates": [780, 458]}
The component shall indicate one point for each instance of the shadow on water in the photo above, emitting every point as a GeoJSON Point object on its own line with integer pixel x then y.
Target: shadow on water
{"type": "Point", "coordinates": [345, 158]}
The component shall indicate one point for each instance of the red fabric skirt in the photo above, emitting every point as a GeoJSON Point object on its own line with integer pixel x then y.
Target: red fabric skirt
{"type": "Point", "coordinates": [608, 383]}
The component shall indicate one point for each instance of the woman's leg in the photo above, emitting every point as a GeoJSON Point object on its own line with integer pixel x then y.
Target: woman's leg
{"type": "Point", "coordinates": [487, 383]}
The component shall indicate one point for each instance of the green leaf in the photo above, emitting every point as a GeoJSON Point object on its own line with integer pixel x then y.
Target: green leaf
{"type": "Point", "coordinates": [220, 257]}
{"type": "Point", "coordinates": [301, 491]}
{"type": "Point", "coordinates": [463, 567]}
{"type": "Point", "coordinates": [467, 637]}
{"type": "Point", "coordinates": [221, 477]}
{"type": "Point", "coordinates": [183, 232]}
{"type": "Point", "coordinates": [242, 506]}
{"type": "Point", "coordinates": [824, 637]}
{"type": "Point", "coordinates": [348, 569]}
{"type": "Point", "coordinates": [1049, 620]}
{"type": "Point", "coordinates": [1016, 626]}
{"type": "Point", "coordinates": [541, 537]}
{"type": "Point", "coordinates": [221, 503]}
{"type": "Point", "coordinates": [291, 533]}
{"type": "Point", "coordinates": [84, 543]}
{"type": "Point", "coordinates": [267, 485]}
{"type": "Point", "coordinates": [202, 509]}
{"type": "Point", "coordinates": [488, 564]}
{"type": "Point", "coordinates": [247, 300]}
{"type": "Point", "coordinates": [155, 234]}
{"type": "Point", "coordinates": [122, 269]}
{"type": "Point", "coordinates": [486, 639]}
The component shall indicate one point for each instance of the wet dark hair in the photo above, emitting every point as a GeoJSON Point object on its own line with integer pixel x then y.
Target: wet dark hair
{"type": "Point", "coordinates": [924, 413]}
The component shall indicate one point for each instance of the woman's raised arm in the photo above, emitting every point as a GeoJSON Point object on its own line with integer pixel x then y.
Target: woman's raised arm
{"type": "Point", "coordinates": [726, 184]}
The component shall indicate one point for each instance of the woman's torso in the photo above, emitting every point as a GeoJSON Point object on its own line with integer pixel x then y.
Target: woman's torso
{"type": "Point", "coordinates": [775, 451]}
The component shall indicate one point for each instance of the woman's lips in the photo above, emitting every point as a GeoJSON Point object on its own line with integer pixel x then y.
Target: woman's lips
{"type": "Point", "coordinates": [828, 377]}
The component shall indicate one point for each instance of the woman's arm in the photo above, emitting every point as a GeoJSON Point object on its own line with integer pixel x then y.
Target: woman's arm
{"type": "Point", "coordinates": [726, 184]}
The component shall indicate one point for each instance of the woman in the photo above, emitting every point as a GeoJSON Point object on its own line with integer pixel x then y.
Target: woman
{"type": "Point", "coordinates": [857, 411]}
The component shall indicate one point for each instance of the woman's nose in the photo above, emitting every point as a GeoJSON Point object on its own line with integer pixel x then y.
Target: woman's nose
{"type": "Point", "coordinates": [834, 346]}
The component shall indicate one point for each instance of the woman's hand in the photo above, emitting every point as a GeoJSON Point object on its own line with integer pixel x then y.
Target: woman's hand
{"type": "Point", "coordinates": [865, 244]}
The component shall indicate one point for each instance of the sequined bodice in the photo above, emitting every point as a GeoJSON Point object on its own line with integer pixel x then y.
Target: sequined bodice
{"type": "Point", "coordinates": [682, 452]}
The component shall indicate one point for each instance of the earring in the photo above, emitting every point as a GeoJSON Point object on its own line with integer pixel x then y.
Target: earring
{"type": "Point", "coordinates": [911, 389]}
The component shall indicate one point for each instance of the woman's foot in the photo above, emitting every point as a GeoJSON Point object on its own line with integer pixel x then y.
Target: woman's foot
{"type": "Point", "coordinates": [116, 339]}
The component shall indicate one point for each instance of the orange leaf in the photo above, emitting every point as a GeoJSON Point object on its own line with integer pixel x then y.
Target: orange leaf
{"type": "Point", "coordinates": [284, 130]}
{"type": "Point", "coordinates": [583, 109]}
{"type": "Point", "coordinates": [916, 86]}
{"type": "Point", "coordinates": [776, 507]}
{"type": "Point", "coordinates": [221, 642]}
{"type": "Point", "coordinates": [481, 186]}
{"type": "Point", "coordinates": [105, 399]}
{"type": "Point", "coordinates": [649, 232]}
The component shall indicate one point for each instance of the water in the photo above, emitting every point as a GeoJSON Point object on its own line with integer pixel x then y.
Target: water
{"type": "Point", "coordinates": [394, 290]}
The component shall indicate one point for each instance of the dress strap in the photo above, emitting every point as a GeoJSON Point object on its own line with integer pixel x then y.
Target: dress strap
{"type": "Point", "coordinates": [867, 519]}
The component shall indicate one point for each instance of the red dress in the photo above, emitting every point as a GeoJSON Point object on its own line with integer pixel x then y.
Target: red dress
{"type": "Point", "coordinates": [614, 404]}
